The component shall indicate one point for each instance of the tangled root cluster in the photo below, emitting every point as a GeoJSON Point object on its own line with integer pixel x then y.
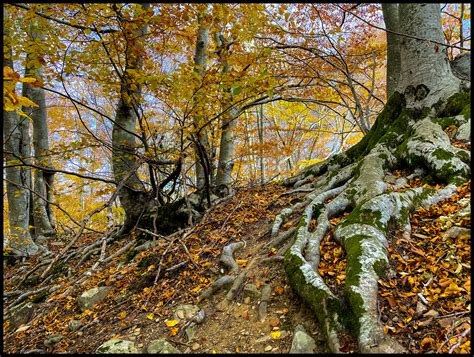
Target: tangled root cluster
{"type": "Point", "coordinates": [359, 181]}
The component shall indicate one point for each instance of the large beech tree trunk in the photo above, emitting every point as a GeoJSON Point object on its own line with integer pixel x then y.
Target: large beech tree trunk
{"type": "Point", "coordinates": [42, 213]}
{"type": "Point", "coordinates": [425, 73]}
{"type": "Point", "coordinates": [141, 206]}
{"type": "Point", "coordinates": [408, 133]}
{"type": "Point", "coordinates": [124, 161]}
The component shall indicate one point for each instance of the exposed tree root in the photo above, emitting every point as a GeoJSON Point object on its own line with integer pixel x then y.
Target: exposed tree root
{"type": "Point", "coordinates": [227, 257]}
{"type": "Point", "coordinates": [359, 181]}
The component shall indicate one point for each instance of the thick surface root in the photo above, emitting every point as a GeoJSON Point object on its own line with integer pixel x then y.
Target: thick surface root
{"type": "Point", "coordinates": [377, 200]}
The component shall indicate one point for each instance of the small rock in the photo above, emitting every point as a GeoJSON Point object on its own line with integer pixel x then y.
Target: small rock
{"type": "Point", "coordinates": [195, 346]}
{"type": "Point", "coordinates": [92, 296]}
{"type": "Point", "coordinates": [395, 319]}
{"type": "Point", "coordinates": [251, 291]}
{"type": "Point", "coordinates": [75, 325]}
{"type": "Point", "coordinates": [266, 292]}
{"type": "Point", "coordinates": [161, 346]}
{"type": "Point", "coordinates": [199, 317]}
{"type": "Point", "coordinates": [22, 314]}
{"type": "Point", "coordinates": [431, 313]}
{"type": "Point", "coordinates": [262, 310]}
{"type": "Point", "coordinates": [302, 342]}
{"type": "Point", "coordinates": [455, 232]}
{"type": "Point", "coordinates": [420, 308]}
{"type": "Point", "coordinates": [384, 318]}
{"type": "Point", "coordinates": [190, 331]}
{"type": "Point", "coordinates": [53, 339]}
{"type": "Point", "coordinates": [115, 346]}
{"type": "Point", "coordinates": [263, 339]}
{"type": "Point", "coordinates": [446, 322]}
{"type": "Point", "coordinates": [186, 312]}
{"type": "Point", "coordinates": [247, 300]}
{"type": "Point", "coordinates": [268, 348]}
{"type": "Point", "coordinates": [80, 333]}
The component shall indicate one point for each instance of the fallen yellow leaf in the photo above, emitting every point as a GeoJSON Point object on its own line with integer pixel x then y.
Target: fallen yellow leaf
{"type": "Point", "coordinates": [171, 323]}
{"type": "Point", "coordinates": [275, 335]}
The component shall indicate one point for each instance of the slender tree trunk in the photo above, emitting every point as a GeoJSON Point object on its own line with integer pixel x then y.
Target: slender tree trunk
{"type": "Point", "coordinates": [17, 146]}
{"type": "Point", "coordinates": [426, 75]}
{"type": "Point", "coordinates": [229, 121]}
{"type": "Point", "coordinates": [461, 27]}
{"type": "Point", "coordinates": [43, 181]}
{"type": "Point", "coordinates": [124, 161]}
{"type": "Point", "coordinates": [259, 112]}
{"type": "Point", "coordinates": [390, 16]}
{"type": "Point", "coordinates": [200, 62]}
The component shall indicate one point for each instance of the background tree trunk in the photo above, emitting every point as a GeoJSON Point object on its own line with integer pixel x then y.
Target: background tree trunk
{"type": "Point", "coordinates": [201, 147]}
{"type": "Point", "coordinates": [259, 113]}
{"type": "Point", "coordinates": [42, 213]}
{"type": "Point", "coordinates": [229, 120]}
{"type": "Point", "coordinates": [390, 16]}
{"type": "Point", "coordinates": [17, 145]}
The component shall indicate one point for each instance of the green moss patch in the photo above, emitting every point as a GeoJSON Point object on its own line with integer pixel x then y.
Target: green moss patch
{"type": "Point", "coordinates": [457, 104]}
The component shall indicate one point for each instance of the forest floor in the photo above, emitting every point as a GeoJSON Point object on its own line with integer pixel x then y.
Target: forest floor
{"type": "Point", "coordinates": [426, 306]}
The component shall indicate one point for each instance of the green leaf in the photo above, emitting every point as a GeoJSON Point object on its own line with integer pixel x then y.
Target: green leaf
{"type": "Point", "coordinates": [236, 90]}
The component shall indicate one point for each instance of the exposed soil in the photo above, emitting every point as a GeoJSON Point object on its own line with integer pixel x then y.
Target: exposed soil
{"type": "Point", "coordinates": [247, 216]}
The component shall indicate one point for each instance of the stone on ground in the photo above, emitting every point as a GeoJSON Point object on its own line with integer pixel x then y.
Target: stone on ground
{"type": "Point", "coordinates": [22, 314]}
{"type": "Point", "coordinates": [186, 312]}
{"type": "Point", "coordinates": [117, 346]}
{"type": "Point", "coordinates": [53, 339]}
{"type": "Point", "coordinates": [92, 296]}
{"type": "Point", "coordinates": [302, 342]}
{"type": "Point", "coordinates": [75, 325]}
{"type": "Point", "coordinates": [251, 291]}
{"type": "Point", "coordinates": [161, 346]}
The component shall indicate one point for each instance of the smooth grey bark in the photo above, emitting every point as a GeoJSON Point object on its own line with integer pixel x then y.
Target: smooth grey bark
{"type": "Point", "coordinates": [425, 75]}
{"type": "Point", "coordinates": [16, 141]}
{"type": "Point", "coordinates": [229, 120]}
{"type": "Point", "coordinates": [259, 113]}
{"type": "Point", "coordinates": [124, 160]}
{"type": "Point", "coordinates": [201, 147]}
{"type": "Point", "coordinates": [42, 212]}
{"type": "Point", "coordinates": [390, 16]}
